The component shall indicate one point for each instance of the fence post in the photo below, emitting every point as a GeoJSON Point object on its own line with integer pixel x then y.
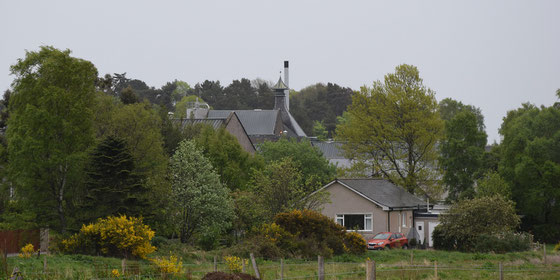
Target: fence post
{"type": "Point", "coordinates": [321, 268]}
{"type": "Point", "coordinates": [254, 262]}
{"type": "Point", "coordinates": [215, 264]}
{"type": "Point", "coordinates": [501, 271]}
{"type": "Point", "coordinates": [45, 264]}
{"type": "Point", "coordinates": [544, 253]}
{"type": "Point", "coordinates": [281, 269]}
{"type": "Point", "coordinates": [123, 266]}
{"type": "Point", "coordinates": [435, 269]}
{"type": "Point", "coordinates": [411, 257]}
{"type": "Point", "coordinates": [370, 270]}
{"type": "Point", "coordinates": [243, 265]}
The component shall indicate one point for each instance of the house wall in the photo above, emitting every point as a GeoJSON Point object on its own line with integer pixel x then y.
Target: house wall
{"type": "Point", "coordinates": [396, 221]}
{"type": "Point", "coordinates": [345, 201]}
{"type": "Point", "coordinates": [235, 128]}
{"type": "Point", "coordinates": [425, 223]}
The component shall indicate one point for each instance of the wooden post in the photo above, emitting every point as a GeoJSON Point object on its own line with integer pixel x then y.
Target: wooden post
{"type": "Point", "coordinates": [370, 270]}
{"type": "Point", "coordinates": [254, 262]}
{"type": "Point", "coordinates": [321, 268]}
{"type": "Point", "coordinates": [411, 257]}
{"type": "Point", "coordinates": [501, 273]}
{"type": "Point", "coordinates": [435, 269]}
{"type": "Point", "coordinates": [45, 264]}
{"type": "Point", "coordinates": [281, 269]}
{"type": "Point", "coordinates": [215, 264]}
{"type": "Point", "coordinates": [243, 265]}
{"type": "Point", "coordinates": [123, 266]}
{"type": "Point", "coordinates": [544, 253]}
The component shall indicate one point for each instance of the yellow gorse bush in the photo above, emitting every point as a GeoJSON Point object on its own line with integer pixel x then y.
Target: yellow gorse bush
{"type": "Point", "coordinates": [557, 247]}
{"type": "Point", "coordinates": [115, 273]}
{"type": "Point", "coordinates": [168, 265]}
{"type": "Point", "coordinates": [124, 236]}
{"type": "Point", "coordinates": [234, 264]}
{"type": "Point", "coordinates": [27, 251]}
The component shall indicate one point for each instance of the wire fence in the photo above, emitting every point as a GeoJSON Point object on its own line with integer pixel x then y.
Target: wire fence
{"type": "Point", "coordinates": [297, 270]}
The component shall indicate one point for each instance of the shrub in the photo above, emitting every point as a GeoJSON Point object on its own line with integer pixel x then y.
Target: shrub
{"type": "Point", "coordinates": [503, 243]}
{"type": "Point", "coordinates": [168, 265]}
{"type": "Point", "coordinates": [234, 264]}
{"type": "Point", "coordinates": [557, 247]}
{"type": "Point", "coordinates": [27, 251]}
{"type": "Point", "coordinates": [468, 219]}
{"type": "Point", "coordinates": [113, 236]}
{"type": "Point", "coordinates": [412, 242]}
{"type": "Point", "coordinates": [547, 233]}
{"type": "Point", "coordinates": [355, 243]}
{"type": "Point", "coordinates": [304, 233]}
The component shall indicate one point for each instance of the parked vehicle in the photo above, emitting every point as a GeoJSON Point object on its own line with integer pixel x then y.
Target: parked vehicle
{"type": "Point", "coordinates": [387, 240]}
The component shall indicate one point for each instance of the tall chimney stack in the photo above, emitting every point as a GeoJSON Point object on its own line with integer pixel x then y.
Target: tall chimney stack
{"type": "Point", "coordinates": [287, 82]}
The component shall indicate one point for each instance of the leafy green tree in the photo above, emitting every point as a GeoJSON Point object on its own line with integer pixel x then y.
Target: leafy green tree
{"type": "Point", "coordinates": [281, 187]}
{"type": "Point", "coordinates": [201, 201]}
{"type": "Point", "coordinates": [182, 89]}
{"type": "Point", "coordinates": [316, 170]}
{"type": "Point", "coordinates": [319, 131]}
{"type": "Point", "coordinates": [462, 154]}
{"type": "Point", "coordinates": [50, 130]}
{"type": "Point", "coordinates": [231, 162]}
{"type": "Point", "coordinates": [393, 127]}
{"type": "Point", "coordinates": [112, 187]}
{"type": "Point", "coordinates": [448, 108]}
{"type": "Point", "coordinates": [493, 184]}
{"type": "Point", "coordinates": [530, 163]}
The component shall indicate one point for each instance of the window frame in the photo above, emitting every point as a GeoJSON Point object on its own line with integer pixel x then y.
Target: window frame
{"type": "Point", "coordinates": [367, 216]}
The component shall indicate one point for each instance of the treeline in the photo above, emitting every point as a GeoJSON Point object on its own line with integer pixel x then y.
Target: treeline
{"type": "Point", "coordinates": [77, 147]}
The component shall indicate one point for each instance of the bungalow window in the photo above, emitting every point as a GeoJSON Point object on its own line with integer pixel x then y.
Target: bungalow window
{"type": "Point", "coordinates": [404, 219]}
{"type": "Point", "coordinates": [355, 221]}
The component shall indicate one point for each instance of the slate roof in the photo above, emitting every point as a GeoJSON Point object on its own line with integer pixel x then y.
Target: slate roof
{"type": "Point", "coordinates": [330, 150]}
{"type": "Point", "coordinates": [383, 192]}
{"type": "Point", "coordinates": [215, 123]}
{"type": "Point", "coordinates": [255, 122]}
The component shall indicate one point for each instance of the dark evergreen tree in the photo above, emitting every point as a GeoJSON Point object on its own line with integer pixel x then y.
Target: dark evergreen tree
{"type": "Point", "coordinates": [112, 187]}
{"type": "Point", "coordinates": [128, 96]}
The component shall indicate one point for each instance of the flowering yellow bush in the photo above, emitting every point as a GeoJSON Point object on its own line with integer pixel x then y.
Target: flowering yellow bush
{"type": "Point", "coordinates": [168, 265]}
{"type": "Point", "coordinates": [27, 251]}
{"type": "Point", "coordinates": [354, 243]}
{"type": "Point", "coordinates": [557, 247]}
{"type": "Point", "coordinates": [235, 264]}
{"type": "Point", "coordinates": [113, 236]}
{"type": "Point", "coordinates": [115, 273]}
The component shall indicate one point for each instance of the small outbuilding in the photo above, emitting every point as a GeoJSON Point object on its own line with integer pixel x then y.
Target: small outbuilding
{"type": "Point", "coordinates": [369, 206]}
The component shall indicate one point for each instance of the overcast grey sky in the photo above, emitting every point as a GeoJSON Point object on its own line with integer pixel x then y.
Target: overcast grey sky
{"type": "Point", "coordinates": [492, 54]}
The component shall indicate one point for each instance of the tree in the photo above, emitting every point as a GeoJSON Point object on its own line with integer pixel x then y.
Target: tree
{"type": "Point", "coordinates": [492, 184]}
{"type": "Point", "coordinates": [322, 103]}
{"type": "Point", "coordinates": [468, 219]}
{"type": "Point", "coordinates": [182, 89]}
{"type": "Point", "coordinates": [231, 162]}
{"type": "Point", "coordinates": [182, 105]}
{"type": "Point", "coordinates": [128, 96]}
{"type": "Point", "coordinates": [202, 202]}
{"type": "Point", "coordinates": [112, 187]}
{"type": "Point", "coordinates": [462, 154]}
{"type": "Point", "coordinates": [393, 127]}
{"type": "Point", "coordinates": [280, 187]}
{"type": "Point", "coordinates": [530, 163]}
{"type": "Point", "coordinates": [315, 168]}
{"type": "Point", "coordinates": [319, 131]}
{"type": "Point", "coordinates": [50, 129]}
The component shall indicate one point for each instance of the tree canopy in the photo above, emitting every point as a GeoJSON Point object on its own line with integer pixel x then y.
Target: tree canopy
{"type": "Point", "coordinates": [50, 129]}
{"type": "Point", "coordinates": [393, 128]}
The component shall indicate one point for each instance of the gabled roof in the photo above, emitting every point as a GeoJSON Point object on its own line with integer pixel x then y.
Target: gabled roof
{"type": "Point", "coordinates": [381, 192]}
{"type": "Point", "coordinates": [215, 123]}
{"type": "Point", "coordinates": [255, 122]}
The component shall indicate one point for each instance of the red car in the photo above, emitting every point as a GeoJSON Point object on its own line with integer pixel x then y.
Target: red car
{"type": "Point", "coordinates": [387, 240]}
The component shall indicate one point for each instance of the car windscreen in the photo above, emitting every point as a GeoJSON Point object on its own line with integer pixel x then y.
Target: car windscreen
{"type": "Point", "coordinates": [382, 236]}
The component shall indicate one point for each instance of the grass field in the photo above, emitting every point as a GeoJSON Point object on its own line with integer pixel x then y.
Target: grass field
{"type": "Point", "coordinates": [390, 264]}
